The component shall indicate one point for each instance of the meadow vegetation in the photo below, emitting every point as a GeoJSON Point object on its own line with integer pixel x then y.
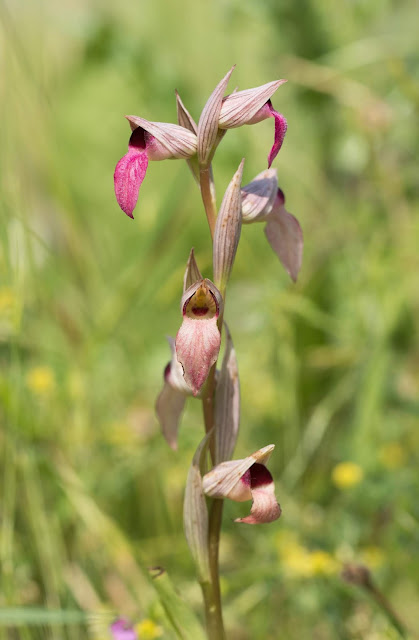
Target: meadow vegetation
{"type": "Point", "coordinates": [91, 496]}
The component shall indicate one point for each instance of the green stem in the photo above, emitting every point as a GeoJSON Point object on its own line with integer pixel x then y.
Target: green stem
{"type": "Point", "coordinates": [208, 196]}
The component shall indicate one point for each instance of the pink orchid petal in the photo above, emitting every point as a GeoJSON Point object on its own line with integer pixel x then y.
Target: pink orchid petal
{"type": "Point", "coordinates": [130, 171]}
{"type": "Point", "coordinates": [285, 236]}
{"type": "Point", "coordinates": [197, 347]}
{"type": "Point", "coordinates": [169, 408]}
{"type": "Point", "coordinates": [122, 630]}
{"type": "Point", "coordinates": [129, 174]}
{"type": "Point", "coordinates": [265, 507]}
{"type": "Point", "coordinates": [280, 131]}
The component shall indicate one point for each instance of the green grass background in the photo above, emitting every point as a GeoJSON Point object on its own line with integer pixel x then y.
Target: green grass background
{"type": "Point", "coordinates": [90, 494]}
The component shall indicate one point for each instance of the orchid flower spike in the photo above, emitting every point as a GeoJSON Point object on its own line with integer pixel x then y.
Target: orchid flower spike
{"type": "Point", "coordinates": [148, 141]}
{"type": "Point", "coordinates": [121, 629]}
{"type": "Point", "coordinates": [264, 201]}
{"type": "Point", "coordinates": [246, 479]}
{"type": "Point", "coordinates": [252, 106]}
{"type": "Point", "coordinates": [171, 400]}
{"type": "Point", "coordinates": [198, 339]}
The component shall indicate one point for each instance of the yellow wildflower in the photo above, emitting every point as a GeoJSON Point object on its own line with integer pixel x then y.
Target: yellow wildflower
{"type": "Point", "coordinates": [148, 630]}
{"type": "Point", "coordinates": [322, 563]}
{"type": "Point", "coordinates": [347, 474]}
{"type": "Point", "coordinates": [392, 455]}
{"type": "Point", "coordinates": [41, 380]}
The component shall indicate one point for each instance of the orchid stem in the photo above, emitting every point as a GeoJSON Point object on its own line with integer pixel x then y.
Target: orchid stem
{"type": "Point", "coordinates": [211, 590]}
{"type": "Point", "coordinates": [208, 196]}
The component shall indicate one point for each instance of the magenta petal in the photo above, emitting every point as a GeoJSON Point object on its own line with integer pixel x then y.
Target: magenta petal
{"type": "Point", "coordinates": [280, 131]}
{"type": "Point", "coordinates": [122, 630]}
{"type": "Point", "coordinates": [197, 347]}
{"type": "Point", "coordinates": [128, 176]}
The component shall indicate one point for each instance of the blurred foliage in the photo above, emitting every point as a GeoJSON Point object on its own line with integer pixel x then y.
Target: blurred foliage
{"type": "Point", "coordinates": [91, 495]}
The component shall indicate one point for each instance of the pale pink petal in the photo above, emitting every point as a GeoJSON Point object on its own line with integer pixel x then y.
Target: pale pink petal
{"type": "Point", "coordinates": [169, 407]}
{"type": "Point", "coordinates": [122, 630]}
{"type": "Point", "coordinates": [265, 507]}
{"type": "Point", "coordinates": [197, 348]}
{"type": "Point", "coordinates": [285, 236]}
{"type": "Point", "coordinates": [130, 172]}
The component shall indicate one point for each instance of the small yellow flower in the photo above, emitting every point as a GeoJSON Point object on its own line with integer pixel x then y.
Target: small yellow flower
{"type": "Point", "coordinates": [148, 630]}
{"type": "Point", "coordinates": [347, 474]}
{"type": "Point", "coordinates": [322, 563]}
{"type": "Point", "coordinates": [392, 455]}
{"type": "Point", "coordinates": [41, 380]}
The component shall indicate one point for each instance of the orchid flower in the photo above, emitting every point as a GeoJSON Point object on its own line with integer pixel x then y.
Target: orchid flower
{"type": "Point", "coordinates": [246, 479]}
{"type": "Point", "coordinates": [264, 201]}
{"type": "Point", "coordinates": [148, 141]}
{"type": "Point", "coordinates": [252, 106]}
{"type": "Point", "coordinates": [121, 629]}
{"type": "Point", "coordinates": [198, 339]}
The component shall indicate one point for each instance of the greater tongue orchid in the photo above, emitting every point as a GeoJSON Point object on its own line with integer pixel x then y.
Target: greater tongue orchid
{"type": "Point", "coordinates": [148, 141]}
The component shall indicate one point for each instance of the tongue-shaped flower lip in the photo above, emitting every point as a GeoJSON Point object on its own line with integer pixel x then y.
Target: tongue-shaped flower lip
{"type": "Point", "coordinates": [148, 141]}
{"type": "Point", "coordinates": [198, 339]}
{"type": "Point", "coordinates": [246, 479]}
{"type": "Point", "coordinates": [252, 106]}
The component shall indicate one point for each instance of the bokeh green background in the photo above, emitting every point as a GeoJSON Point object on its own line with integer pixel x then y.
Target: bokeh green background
{"type": "Point", "coordinates": [90, 494]}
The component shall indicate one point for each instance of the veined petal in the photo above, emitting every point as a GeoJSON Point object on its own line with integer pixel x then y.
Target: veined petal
{"type": "Point", "coordinates": [265, 507]}
{"type": "Point", "coordinates": [208, 122]}
{"type": "Point", "coordinates": [225, 479]}
{"type": "Point", "coordinates": [197, 347]}
{"type": "Point", "coordinates": [171, 400]}
{"type": "Point", "coordinates": [227, 230]}
{"type": "Point", "coordinates": [198, 339]}
{"type": "Point", "coordinates": [130, 172]}
{"type": "Point", "coordinates": [192, 273]}
{"type": "Point", "coordinates": [166, 140]}
{"type": "Point", "coordinates": [242, 106]}
{"type": "Point", "coordinates": [285, 236]}
{"type": "Point", "coordinates": [185, 119]}
{"type": "Point", "coordinates": [258, 197]}
{"type": "Point", "coordinates": [122, 630]}
{"type": "Point", "coordinates": [169, 407]}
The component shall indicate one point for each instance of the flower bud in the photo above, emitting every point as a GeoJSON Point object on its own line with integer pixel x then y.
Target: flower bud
{"type": "Point", "coordinates": [227, 230]}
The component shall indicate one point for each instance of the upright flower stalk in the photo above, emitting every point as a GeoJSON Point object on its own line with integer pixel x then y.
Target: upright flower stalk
{"type": "Point", "coordinates": [192, 371]}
